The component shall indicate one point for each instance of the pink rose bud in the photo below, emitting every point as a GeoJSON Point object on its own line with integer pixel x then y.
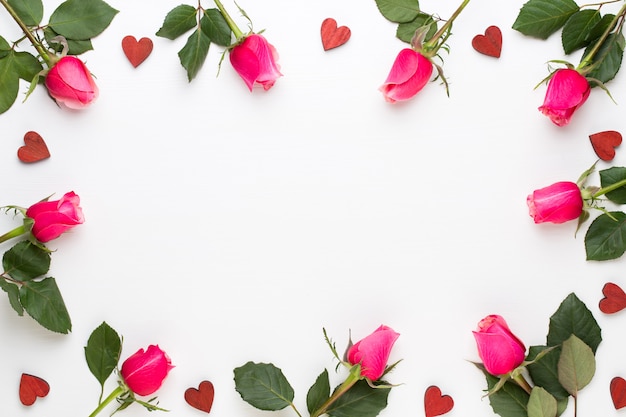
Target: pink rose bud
{"type": "Point", "coordinates": [556, 203]}
{"type": "Point", "coordinates": [373, 352]}
{"type": "Point", "coordinates": [70, 83]}
{"type": "Point", "coordinates": [567, 91]}
{"type": "Point", "coordinates": [499, 349]}
{"type": "Point", "coordinates": [144, 372]}
{"type": "Point", "coordinates": [410, 72]}
{"type": "Point", "coordinates": [255, 60]}
{"type": "Point", "coordinates": [53, 218]}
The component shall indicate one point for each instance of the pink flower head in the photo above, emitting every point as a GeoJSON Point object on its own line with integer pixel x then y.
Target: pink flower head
{"type": "Point", "coordinates": [409, 74]}
{"type": "Point", "coordinates": [373, 352]}
{"type": "Point", "coordinates": [499, 349]}
{"type": "Point", "coordinates": [144, 372]}
{"type": "Point", "coordinates": [53, 218]}
{"type": "Point", "coordinates": [556, 203]}
{"type": "Point", "coordinates": [255, 60]}
{"type": "Point", "coordinates": [567, 91]}
{"type": "Point", "coordinates": [69, 82]}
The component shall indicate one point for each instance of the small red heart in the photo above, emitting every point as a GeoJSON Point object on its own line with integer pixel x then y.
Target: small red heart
{"type": "Point", "coordinates": [32, 387]}
{"type": "Point", "coordinates": [333, 36]}
{"type": "Point", "coordinates": [436, 404]}
{"type": "Point", "coordinates": [201, 398]}
{"type": "Point", "coordinates": [618, 392]}
{"type": "Point", "coordinates": [490, 43]}
{"type": "Point", "coordinates": [136, 51]}
{"type": "Point", "coordinates": [34, 149]}
{"type": "Point", "coordinates": [604, 143]}
{"type": "Point", "coordinates": [614, 299]}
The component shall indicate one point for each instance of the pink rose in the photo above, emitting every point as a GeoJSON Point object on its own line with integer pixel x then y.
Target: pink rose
{"type": "Point", "coordinates": [499, 349]}
{"type": "Point", "coordinates": [69, 82]}
{"type": "Point", "coordinates": [144, 372]}
{"type": "Point", "coordinates": [255, 60]}
{"type": "Point", "coordinates": [373, 352]}
{"type": "Point", "coordinates": [567, 91]}
{"type": "Point", "coordinates": [556, 203]}
{"type": "Point", "coordinates": [409, 74]}
{"type": "Point", "coordinates": [53, 218]}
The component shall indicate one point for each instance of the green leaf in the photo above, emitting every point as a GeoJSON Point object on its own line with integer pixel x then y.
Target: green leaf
{"type": "Point", "coordinates": [42, 301]}
{"type": "Point", "coordinates": [9, 84]}
{"type": "Point", "coordinates": [544, 372]}
{"type": "Point", "coordinates": [510, 400]}
{"type": "Point", "coordinates": [609, 58]}
{"type": "Point", "coordinates": [81, 19]}
{"type": "Point", "coordinates": [577, 30]}
{"type": "Point", "coordinates": [26, 261]}
{"type": "Point", "coordinates": [13, 291]}
{"type": "Point", "coordinates": [399, 11]}
{"type": "Point", "coordinates": [612, 176]}
{"type": "Point", "coordinates": [574, 318]}
{"type": "Point", "coordinates": [194, 53]}
{"type": "Point", "coordinates": [541, 18]}
{"type": "Point", "coordinates": [263, 386]}
{"type": "Point", "coordinates": [360, 400]}
{"type": "Point", "coordinates": [30, 11]}
{"type": "Point", "coordinates": [576, 366]}
{"type": "Point", "coordinates": [318, 393]}
{"type": "Point", "coordinates": [103, 352]}
{"type": "Point", "coordinates": [75, 47]}
{"type": "Point", "coordinates": [606, 237]}
{"type": "Point", "coordinates": [179, 20]}
{"type": "Point", "coordinates": [601, 27]}
{"type": "Point", "coordinates": [215, 27]}
{"type": "Point", "coordinates": [5, 48]}
{"type": "Point", "coordinates": [406, 31]}
{"type": "Point", "coordinates": [26, 65]}
{"type": "Point", "coordinates": [541, 403]}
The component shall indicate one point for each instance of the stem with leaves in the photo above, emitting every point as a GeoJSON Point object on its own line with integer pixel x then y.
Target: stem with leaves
{"type": "Point", "coordinates": [45, 55]}
{"type": "Point", "coordinates": [231, 23]}
{"type": "Point", "coordinates": [353, 378]}
{"type": "Point", "coordinates": [113, 395]}
{"type": "Point", "coordinates": [430, 48]}
{"type": "Point", "coordinates": [587, 60]}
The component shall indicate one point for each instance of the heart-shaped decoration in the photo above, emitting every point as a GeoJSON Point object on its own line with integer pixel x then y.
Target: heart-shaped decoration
{"type": "Point", "coordinates": [136, 51]}
{"type": "Point", "coordinates": [618, 392]}
{"type": "Point", "coordinates": [34, 149]}
{"type": "Point", "coordinates": [490, 43]}
{"type": "Point", "coordinates": [436, 404]}
{"type": "Point", "coordinates": [604, 143]}
{"type": "Point", "coordinates": [614, 298]}
{"type": "Point", "coordinates": [32, 387]}
{"type": "Point", "coordinates": [333, 36]}
{"type": "Point", "coordinates": [201, 398]}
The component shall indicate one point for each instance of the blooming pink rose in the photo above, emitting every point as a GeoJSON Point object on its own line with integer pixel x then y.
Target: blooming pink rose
{"type": "Point", "coordinates": [409, 74]}
{"type": "Point", "coordinates": [567, 91]}
{"type": "Point", "coordinates": [499, 349]}
{"type": "Point", "coordinates": [556, 203]}
{"type": "Point", "coordinates": [373, 352]}
{"type": "Point", "coordinates": [69, 82]}
{"type": "Point", "coordinates": [144, 372]}
{"type": "Point", "coordinates": [53, 218]}
{"type": "Point", "coordinates": [255, 60]}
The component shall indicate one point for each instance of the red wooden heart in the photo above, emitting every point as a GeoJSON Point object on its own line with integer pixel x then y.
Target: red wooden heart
{"type": "Point", "coordinates": [604, 143]}
{"type": "Point", "coordinates": [32, 387]}
{"type": "Point", "coordinates": [333, 36]}
{"type": "Point", "coordinates": [136, 51]}
{"type": "Point", "coordinates": [201, 398]}
{"type": "Point", "coordinates": [34, 149]}
{"type": "Point", "coordinates": [436, 404]}
{"type": "Point", "coordinates": [490, 43]}
{"type": "Point", "coordinates": [614, 299]}
{"type": "Point", "coordinates": [618, 392]}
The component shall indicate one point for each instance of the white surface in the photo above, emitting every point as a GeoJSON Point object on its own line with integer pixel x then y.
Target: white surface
{"type": "Point", "coordinates": [229, 226]}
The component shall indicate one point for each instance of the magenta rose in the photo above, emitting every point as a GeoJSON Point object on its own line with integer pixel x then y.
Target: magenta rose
{"type": "Point", "coordinates": [556, 203]}
{"type": "Point", "coordinates": [567, 91]}
{"type": "Point", "coordinates": [144, 371]}
{"type": "Point", "coordinates": [410, 72]}
{"type": "Point", "coordinates": [499, 349]}
{"type": "Point", "coordinates": [372, 352]}
{"type": "Point", "coordinates": [255, 60]}
{"type": "Point", "coordinates": [70, 83]}
{"type": "Point", "coordinates": [53, 218]}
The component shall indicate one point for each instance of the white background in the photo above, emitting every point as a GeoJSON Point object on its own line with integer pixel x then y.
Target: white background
{"type": "Point", "coordinates": [229, 226]}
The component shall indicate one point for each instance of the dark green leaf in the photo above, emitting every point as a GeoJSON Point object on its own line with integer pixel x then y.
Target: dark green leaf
{"type": "Point", "coordinates": [30, 11]}
{"type": "Point", "coordinates": [541, 18]}
{"type": "Point", "coordinates": [75, 47]}
{"type": "Point", "coordinates": [544, 372]}
{"type": "Point", "coordinates": [103, 352]}
{"type": "Point", "coordinates": [360, 400]}
{"type": "Point", "coordinates": [179, 20]}
{"type": "Point", "coordinates": [574, 318]}
{"type": "Point", "coordinates": [194, 53]}
{"type": "Point", "coordinates": [612, 176]}
{"type": "Point", "coordinates": [13, 291]}
{"type": "Point", "coordinates": [215, 27]}
{"type": "Point", "coordinates": [510, 400]}
{"type": "Point", "coordinates": [541, 403]}
{"type": "Point", "coordinates": [5, 48]}
{"type": "Point", "coordinates": [601, 27]}
{"type": "Point", "coordinates": [263, 386]}
{"type": "Point", "coordinates": [9, 84]}
{"type": "Point", "coordinates": [606, 237]}
{"type": "Point", "coordinates": [318, 393]}
{"type": "Point", "coordinates": [26, 66]}
{"type": "Point", "coordinates": [26, 261]}
{"type": "Point", "coordinates": [577, 30]}
{"type": "Point", "coordinates": [577, 365]}
{"type": "Point", "coordinates": [406, 31]}
{"type": "Point", "coordinates": [42, 301]}
{"type": "Point", "coordinates": [81, 19]}
{"type": "Point", "coordinates": [398, 11]}
{"type": "Point", "coordinates": [609, 58]}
